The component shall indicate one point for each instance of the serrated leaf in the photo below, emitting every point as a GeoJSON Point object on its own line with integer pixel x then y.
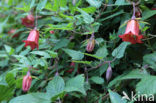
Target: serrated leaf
{"type": "Point", "coordinates": [55, 86]}
{"type": "Point", "coordinates": [32, 98]}
{"type": "Point", "coordinates": [41, 5]}
{"type": "Point", "coordinates": [41, 53]}
{"type": "Point", "coordinates": [9, 49]}
{"type": "Point", "coordinates": [76, 55]}
{"type": "Point", "coordinates": [116, 98]}
{"type": "Point", "coordinates": [95, 3]}
{"type": "Point", "coordinates": [147, 85]}
{"type": "Point", "coordinates": [150, 59]}
{"type": "Point", "coordinates": [120, 50]}
{"type": "Point", "coordinates": [86, 17]}
{"type": "Point", "coordinates": [76, 84]}
{"type": "Point", "coordinates": [147, 14]}
{"type": "Point", "coordinates": [84, 62]}
{"type": "Point", "coordinates": [61, 43]}
{"type": "Point", "coordinates": [102, 52]}
{"type": "Point", "coordinates": [111, 16]}
{"type": "Point", "coordinates": [134, 74]}
{"type": "Point", "coordinates": [120, 2]}
{"type": "Point", "coordinates": [97, 80]}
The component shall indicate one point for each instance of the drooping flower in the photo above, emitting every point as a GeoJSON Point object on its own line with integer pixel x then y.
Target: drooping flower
{"type": "Point", "coordinates": [32, 39]}
{"type": "Point", "coordinates": [109, 73]}
{"type": "Point", "coordinates": [132, 32]}
{"type": "Point", "coordinates": [26, 82]}
{"type": "Point", "coordinates": [12, 31]}
{"type": "Point", "coordinates": [90, 45]}
{"type": "Point", "coordinates": [28, 21]}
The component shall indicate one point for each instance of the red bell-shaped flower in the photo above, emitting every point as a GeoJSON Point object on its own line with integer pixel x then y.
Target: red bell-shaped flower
{"type": "Point", "coordinates": [26, 82]}
{"type": "Point", "coordinates": [32, 39]}
{"type": "Point", "coordinates": [28, 21]}
{"type": "Point", "coordinates": [132, 32]}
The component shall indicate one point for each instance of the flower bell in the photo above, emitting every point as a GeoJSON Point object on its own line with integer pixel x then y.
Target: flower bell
{"type": "Point", "coordinates": [91, 44]}
{"type": "Point", "coordinates": [132, 32]}
{"type": "Point", "coordinates": [28, 21]}
{"type": "Point", "coordinates": [26, 82]}
{"type": "Point", "coordinates": [32, 39]}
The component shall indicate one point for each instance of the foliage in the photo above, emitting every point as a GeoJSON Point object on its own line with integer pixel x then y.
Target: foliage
{"type": "Point", "coordinates": [73, 22]}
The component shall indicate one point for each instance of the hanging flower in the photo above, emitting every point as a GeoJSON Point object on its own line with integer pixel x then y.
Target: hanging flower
{"type": "Point", "coordinates": [32, 39]}
{"type": "Point", "coordinates": [109, 73]}
{"type": "Point", "coordinates": [26, 82]}
{"type": "Point", "coordinates": [28, 21]}
{"type": "Point", "coordinates": [132, 32]}
{"type": "Point", "coordinates": [12, 31]}
{"type": "Point", "coordinates": [91, 44]}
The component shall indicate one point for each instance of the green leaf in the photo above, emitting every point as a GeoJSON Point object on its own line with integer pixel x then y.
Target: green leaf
{"type": "Point", "coordinates": [10, 79]}
{"type": "Point", "coordinates": [102, 52]}
{"type": "Point", "coordinates": [95, 3]}
{"type": "Point", "coordinates": [89, 9]}
{"type": "Point", "coordinates": [94, 56]}
{"type": "Point", "coordinates": [41, 5]}
{"type": "Point", "coordinates": [76, 55]}
{"type": "Point", "coordinates": [9, 49]}
{"type": "Point", "coordinates": [64, 26]}
{"type": "Point", "coordinates": [120, 50]}
{"type": "Point", "coordinates": [86, 17]}
{"type": "Point", "coordinates": [6, 92]}
{"type": "Point", "coordinates": [32, 3]}
{"type": "Point", "coordinates": [147, 85]}
{"type": "Point", "coordinates": [53, 54]}
{"type": "Point", "coordinates": [120, 2]}
{"type": "Point", "coordinates": [55, 5]}
{"type": "Point", "coordinates": [147, 14]}
{"type": "Point", "coordinates": [76, 84]}
{"type": "Point", "coordinates": [97, 80]}
{"type": "Point", "coordinates": [61, 43]}
{"type": "Point", "coordinates": [116, 98]}
{"type": "Point", "coordinates": [32, 98]}
{"type": "Point", "coordinates": [151, 60]}
{"type": "Point", "coordinates": [134, 74]}
{"type": "Point", "coordinates": [41, 53]}
{"type": "Point", "coordinates": [84, 62]}
{"type": "Point", "coordinates": [55, 86]}
{"type": "Point", "coordinates": [112, 15]}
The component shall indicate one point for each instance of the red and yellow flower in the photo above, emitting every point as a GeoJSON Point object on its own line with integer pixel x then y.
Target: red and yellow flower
{"type": "Point", "coordinates": [132, 32]}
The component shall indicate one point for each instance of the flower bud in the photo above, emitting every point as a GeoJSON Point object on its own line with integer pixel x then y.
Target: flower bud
{"type": "Point", "coordinates": [138, 12]}
{"type": "Point", "coordinates": [109, 73]}
{"type": "Point", "coordinates": [90, 45]}
{"type": "Point", "coordinates": [51, 32]}
{"type": "Point", "coordinates": [26, 82]}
